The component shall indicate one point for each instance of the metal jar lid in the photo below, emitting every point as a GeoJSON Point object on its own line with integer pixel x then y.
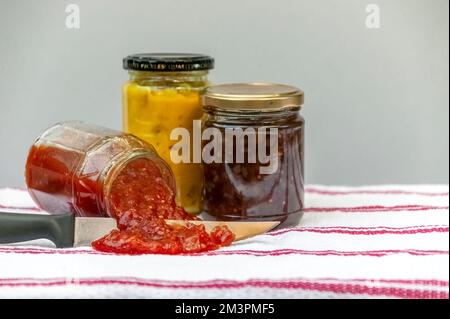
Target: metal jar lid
{"type": "Point", "coordinates": [168, 62]}
{"type": "Point", "coordinates": [252, 97]}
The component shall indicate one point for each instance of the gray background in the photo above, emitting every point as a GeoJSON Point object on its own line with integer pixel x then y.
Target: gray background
{"type": "Point", "coordinates": [376, 99]}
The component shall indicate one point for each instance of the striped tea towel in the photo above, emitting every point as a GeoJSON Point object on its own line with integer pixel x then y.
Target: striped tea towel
{"type": "Point", "coordinates": [366, 242]}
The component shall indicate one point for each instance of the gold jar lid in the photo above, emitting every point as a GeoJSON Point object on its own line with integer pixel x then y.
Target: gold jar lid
{"type": "Point", "coordinates": [252, 97]}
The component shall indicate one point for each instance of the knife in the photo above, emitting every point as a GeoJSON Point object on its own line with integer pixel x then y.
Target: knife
{"type": "Point", "coordinates": [66, 230]}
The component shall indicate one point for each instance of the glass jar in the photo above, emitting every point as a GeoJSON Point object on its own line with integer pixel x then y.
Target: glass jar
{"type": "Point", "coordinates": [257, 170]}
{"type": "Point", "coordinates": [72, 167]}
{"type": "Point", "coordinates": [163, 93]}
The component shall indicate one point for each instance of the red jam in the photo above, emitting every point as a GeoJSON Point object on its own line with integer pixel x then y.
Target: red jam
{"type": "Point", "coordinates": [140, 208]}
{"type": "Point", "coordinates": [139, 198]}
{"type": "Point", "coordinates": [53, 185]}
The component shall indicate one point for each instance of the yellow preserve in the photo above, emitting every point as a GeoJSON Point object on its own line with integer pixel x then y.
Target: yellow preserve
{"type": "Point", "coordinates": [163, 93]}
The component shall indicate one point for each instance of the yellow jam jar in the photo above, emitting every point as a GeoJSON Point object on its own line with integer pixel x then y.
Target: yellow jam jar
{"type": "Point", "coordinates": [164, 93]}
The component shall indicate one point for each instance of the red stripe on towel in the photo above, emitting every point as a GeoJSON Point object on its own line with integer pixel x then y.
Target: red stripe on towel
{"type": "Point", "coordinates": [341, 287]}
{"type": "Point", "coordinates": [313, 190]}
{"type": "Point", "coordinates": [416, 282]}
{"type": "Point", "coordinates": [247, 252]}
{"type": "Point", "coordinates": [282, 252]}
{"type": "Point", "coordinates": [30, 208]}
{"type": "Point", "coordinates": [380, 230]}
{"type": "Point", "coordinates": [374, 209]}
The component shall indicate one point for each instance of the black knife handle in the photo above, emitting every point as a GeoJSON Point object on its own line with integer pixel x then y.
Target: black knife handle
{"type": "Point", "coordinates": [18, 227]}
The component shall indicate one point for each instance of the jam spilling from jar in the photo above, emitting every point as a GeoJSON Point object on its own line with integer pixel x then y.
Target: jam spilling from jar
{"type": "Point", "coordinates": [140, 208]}
{"type": "Point", "coordinates": [139, 199]}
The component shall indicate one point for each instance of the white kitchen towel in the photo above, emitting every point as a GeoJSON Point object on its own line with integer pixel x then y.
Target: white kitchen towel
{"type": "Point", "coordinates": [385, 241]}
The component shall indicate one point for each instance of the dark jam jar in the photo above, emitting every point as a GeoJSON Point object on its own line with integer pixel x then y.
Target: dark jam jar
{"type": "Point", "coordinates": [94, 171]}
{"type": "Point", "coordinates": [254, 163]}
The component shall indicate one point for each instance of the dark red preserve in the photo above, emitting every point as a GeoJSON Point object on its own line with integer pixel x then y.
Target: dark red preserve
{"type": "Point", "coordinates": [239, 184]}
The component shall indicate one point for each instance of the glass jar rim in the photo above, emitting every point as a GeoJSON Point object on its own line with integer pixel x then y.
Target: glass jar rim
{"type": "Point", "coordinates": [111, 172]}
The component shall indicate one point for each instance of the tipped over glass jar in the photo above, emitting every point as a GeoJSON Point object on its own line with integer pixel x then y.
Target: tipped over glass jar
{"type": "Point", "coordinates": [254, 163]}
{"type": "Point", "coordinates": [94, 171]}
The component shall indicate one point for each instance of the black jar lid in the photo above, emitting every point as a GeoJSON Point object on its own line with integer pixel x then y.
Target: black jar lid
{"type": "Point", "coordinates": [168, 62]}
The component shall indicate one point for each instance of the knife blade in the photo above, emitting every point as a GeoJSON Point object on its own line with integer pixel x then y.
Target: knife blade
{"type": "Point", "coordinates": [66, 230]}
{"type": "Point", "coordinates": [241, 230]}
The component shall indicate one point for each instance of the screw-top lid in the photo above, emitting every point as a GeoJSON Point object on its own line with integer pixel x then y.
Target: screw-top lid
{"type": "Point", "coordinates": [168, 62]}
{"type": "Point", "coordinates": [252, 97]}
